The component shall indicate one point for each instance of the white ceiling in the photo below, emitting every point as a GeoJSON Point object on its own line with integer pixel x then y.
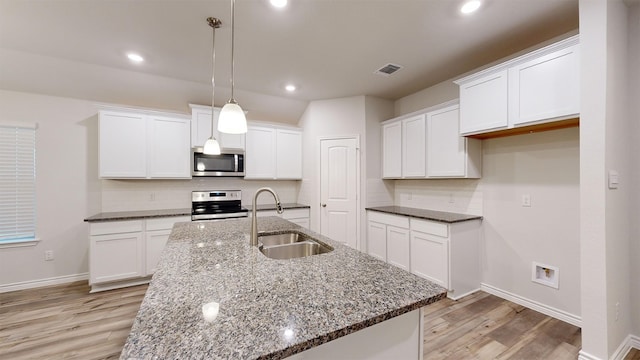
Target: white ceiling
{"type": "Point", "coordinates": [328, 48]}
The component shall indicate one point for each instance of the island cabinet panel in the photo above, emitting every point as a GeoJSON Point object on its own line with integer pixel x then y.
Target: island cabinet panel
{"type": "Point", "coordinates": [392, 150]}
{"type": "Point", "coordinates": [539, 87]}
{"type": "Point", "coordinates": [201, 129]}
{"type": "Point", "coordinates": [427, 144]}
{"type": "Point", "coordinates": [273, 153]}
{"type": "Point", "coordinates": [125, 253]}
{"type": "Point", "coordinates": [143, 145]}
{"type": "Point", "coordinates": [414, 147]}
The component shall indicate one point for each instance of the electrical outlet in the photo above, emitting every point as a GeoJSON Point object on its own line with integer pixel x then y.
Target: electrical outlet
{"type": "Point", "coordinates": [526, 200]}
{"type": "Point", "coordinates": [48, 255]}
{"type": "Point", "coordinates": [617, 311]}
{"type": "Point", "coordinates": [451, 199]}
{"type": "Point", "coordinates": [152, 196]}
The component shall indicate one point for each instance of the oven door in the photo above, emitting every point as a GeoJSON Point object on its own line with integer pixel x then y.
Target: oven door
{"type": "Point", "coordinates": [231, 165]}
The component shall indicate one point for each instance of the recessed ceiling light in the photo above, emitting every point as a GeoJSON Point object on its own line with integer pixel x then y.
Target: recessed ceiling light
{"type": "Point", "coordinates": [290, 88]}
{"type": "Point", "coordinates": [135, 58]}
{"type": "Point", "coordinates": [470, 6]}
{"type": "Point", "coordinates": [279, 3]}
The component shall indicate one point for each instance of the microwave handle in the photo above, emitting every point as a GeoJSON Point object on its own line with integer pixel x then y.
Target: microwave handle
{"type": "Point", "coordinates": [235, 157]}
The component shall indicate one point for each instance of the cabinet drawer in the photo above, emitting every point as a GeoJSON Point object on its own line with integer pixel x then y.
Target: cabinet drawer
{"type": "Point", "coordinates": [387, 219]}
{"type": "Point", "coordinates": [115, 227]}
{"type": "Point", "coordinates": [430, 227]}
{"type": "Point", "coordinates": [295, 214]}
{"type": "Point", "coordinates": [165, 223]}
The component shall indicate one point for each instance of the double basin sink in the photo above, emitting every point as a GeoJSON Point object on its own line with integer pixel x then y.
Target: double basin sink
{"type": "Point", "coordinates": [290, 245]}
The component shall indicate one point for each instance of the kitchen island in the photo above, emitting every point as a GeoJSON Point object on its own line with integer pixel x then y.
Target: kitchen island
{"type": "Point", "coordinates": [214, 296]}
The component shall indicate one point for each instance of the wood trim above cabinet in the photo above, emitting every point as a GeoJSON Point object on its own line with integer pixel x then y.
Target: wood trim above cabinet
{"type": "Point", "coordinates": [554, 125]}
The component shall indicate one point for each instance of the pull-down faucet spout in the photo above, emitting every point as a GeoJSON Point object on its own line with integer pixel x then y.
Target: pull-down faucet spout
{"type": "Point", "coordinates": [254, 221]}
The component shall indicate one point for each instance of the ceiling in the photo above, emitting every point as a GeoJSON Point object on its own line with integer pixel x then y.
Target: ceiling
{"type": "Point", "coordinates": [328, 48]}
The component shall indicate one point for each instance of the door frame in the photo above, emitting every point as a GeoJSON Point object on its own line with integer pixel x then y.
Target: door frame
{"type": "Point", "coordinates": [355, 137]}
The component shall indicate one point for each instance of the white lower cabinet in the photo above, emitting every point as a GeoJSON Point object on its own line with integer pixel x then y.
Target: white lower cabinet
{"type": "Point", "coordinates": [125, 253]}
{"type": "Point", "coordinates": [388, 238]}
{"type": "Point", "coordinates": [446, 253]}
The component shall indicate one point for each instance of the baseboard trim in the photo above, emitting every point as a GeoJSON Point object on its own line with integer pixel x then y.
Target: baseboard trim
{"type": "Point", "coordinates": [631, 341]}
{"type": "Point", "coordinates": [31, 284]}
{"type": "Point", "coordinates": [533, 305]}
{"type": "Point", "coordinates": [586, 356]}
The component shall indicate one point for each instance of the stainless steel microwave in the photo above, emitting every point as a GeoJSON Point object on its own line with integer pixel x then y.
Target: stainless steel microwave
{"type": "Point", "coordinates": [227, 164]}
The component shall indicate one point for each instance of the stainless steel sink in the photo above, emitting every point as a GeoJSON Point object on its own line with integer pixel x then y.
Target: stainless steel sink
{"type": "Point", "coordinates": [290, 245]}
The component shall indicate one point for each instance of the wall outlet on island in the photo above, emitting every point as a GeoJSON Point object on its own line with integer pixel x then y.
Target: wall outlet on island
{"type": "Point", "coordinates": [152, 196]}
{"type": "Point", "coordinates": [451, 199]}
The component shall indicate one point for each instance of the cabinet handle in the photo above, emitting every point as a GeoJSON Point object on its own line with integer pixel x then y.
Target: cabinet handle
{"type": "Point", "coordinates": [324, 205]}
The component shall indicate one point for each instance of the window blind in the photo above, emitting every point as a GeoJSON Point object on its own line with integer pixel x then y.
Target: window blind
{"type": "Point", "coordinates": [17, 183]}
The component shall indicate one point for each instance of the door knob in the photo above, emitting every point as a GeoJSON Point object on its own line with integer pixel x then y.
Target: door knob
{"type": "Point", "coordinates": [324, 205]}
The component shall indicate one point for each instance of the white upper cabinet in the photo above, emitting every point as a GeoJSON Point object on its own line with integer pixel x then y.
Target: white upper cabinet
{"type": "Point", "coordinates": [143, 145]}
{"type": "Point", "coordinates": [484, 103]}
{"type": "Point", "coordinates": [392, 150]}
{"type": "Point", "coordinates": [201, 129]}
{"type": "Point", "coordinates": [539, 87]}
{"type": "Point", "coordinates": [273, 153]}
{"type": "Point", "coordinates": [122, 145]}
{"type": "Point", "coordinates": [288, 154]}
{"type": "Point", "coordinates": [414, 147]}
{"type": "Point", "coordinates": [168, 147]}
{"type": "Point", "coordinates": [449, 154]}
{"type": "Point", "coordinates": [546, 87]}
{"type": "Point", "coordinates": [427, 144]}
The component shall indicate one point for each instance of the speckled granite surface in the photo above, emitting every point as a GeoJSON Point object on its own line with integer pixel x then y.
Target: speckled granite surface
{"type": "Point", "coordinates": [134, 215]}
{"type": "Point", "coordinates": [441, 216]}
{"type": "Point", "coordinates": [285, 206]}
{"type": "Point", "coordinates": [148, 214]}
{"type": "Point", "coordinates": [268, 309]}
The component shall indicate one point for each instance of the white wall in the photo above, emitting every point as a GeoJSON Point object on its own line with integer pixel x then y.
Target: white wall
{"type": "Point", "coordinates": [460, 196]}
{"type": "Point", "coordinates": [67, 185]}
{"type": "Point", "coordinates": [377, 192]}
{"type": "Point", "coordinates": [326, 118]}
{"type": "Point", "coordinates": [606, 137]}
{"type": "Point", "coordinates": [634, 93]}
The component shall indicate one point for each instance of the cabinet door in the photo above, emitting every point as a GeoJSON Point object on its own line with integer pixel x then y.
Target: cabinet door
{"type": "Point", "coordinates": [122, 145]}
{"type": "Point", "coordinates": [545, 88]}
{"type": "Point", "coordinates": [155, 242]}
{"type": "Point", "coordinates": [201, 126]}
{"type": "Point", "coordinates": [169, 151]}
{"type": "Point", "coordinates": [414, 147]}
{"type": "Point", "coordinates": [115, 257]}
{"type": "Point", "coordinates": [484, 104]}
{"type": "Point", "coordinates": [392, 150]}
{"type": "Point", "coordinates": [446, 153]}
{"type": "Point", "coordinates": [260, 159]}
{"type": "Point", "coordinates": [398, 247]}
{"type": "Point", "coordinates": [288, 154]}
{"type": "Point", "coordinates": [430, 257]}
{"type": "Point", "coordinates": [377, 240]}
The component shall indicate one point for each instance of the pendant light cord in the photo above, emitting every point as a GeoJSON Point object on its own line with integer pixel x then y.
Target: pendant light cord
{"type": "Point", "coordinates": [214, 23]}
{"type": "Point", "coordinates": [233, 24]}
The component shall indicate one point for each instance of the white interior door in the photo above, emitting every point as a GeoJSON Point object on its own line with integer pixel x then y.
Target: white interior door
{"type": "Point", "coordinates": [338, 190]}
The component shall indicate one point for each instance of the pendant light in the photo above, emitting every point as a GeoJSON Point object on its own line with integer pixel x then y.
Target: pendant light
{"type": "Point", "coordinates": [212, 146]}
{"type": "Point", "coordinates": [232, 119]}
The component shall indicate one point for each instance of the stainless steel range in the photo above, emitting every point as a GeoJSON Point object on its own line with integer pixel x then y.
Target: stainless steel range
{"type": "Point", "coordinates": [217, 204]}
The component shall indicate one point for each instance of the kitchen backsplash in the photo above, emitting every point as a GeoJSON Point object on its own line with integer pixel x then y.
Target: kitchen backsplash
{"type": "Point", "coordinates": [459, 196]}
{"type": "Point", "coordinates": [133, 195]}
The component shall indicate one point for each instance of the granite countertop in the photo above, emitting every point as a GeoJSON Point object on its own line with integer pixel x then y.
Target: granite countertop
{"type": "Point", "coordinates": [148, 214]}
{"type": "Point", "coordinates": [267, 308]}
{"type": "Point", "coordinates": [441, 216]}
{"type": "Point", "coordinates": [266, 207]}
{"type": "Point", "coordinates": [136, 215]}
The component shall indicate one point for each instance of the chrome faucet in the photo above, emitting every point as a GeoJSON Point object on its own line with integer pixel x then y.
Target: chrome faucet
{"type": "Point", "coordinates": [254, 218]}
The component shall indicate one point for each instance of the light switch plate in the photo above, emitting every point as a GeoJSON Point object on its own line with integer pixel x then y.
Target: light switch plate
{"type": "Point", "coordinates": [614, 179]}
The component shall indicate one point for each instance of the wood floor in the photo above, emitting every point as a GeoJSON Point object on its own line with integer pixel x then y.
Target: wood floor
{"type": "Point", "coordinates": [66, 322]}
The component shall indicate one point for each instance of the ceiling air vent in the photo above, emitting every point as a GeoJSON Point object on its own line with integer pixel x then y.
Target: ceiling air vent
{"type": "Point", "coordinates": [388, 69]}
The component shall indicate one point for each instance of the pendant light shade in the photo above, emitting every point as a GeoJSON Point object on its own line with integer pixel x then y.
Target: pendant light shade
{"type": "Point", "coordinates": [232, 119]}
{"type": "Point", "coordinates": [211, 146]}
